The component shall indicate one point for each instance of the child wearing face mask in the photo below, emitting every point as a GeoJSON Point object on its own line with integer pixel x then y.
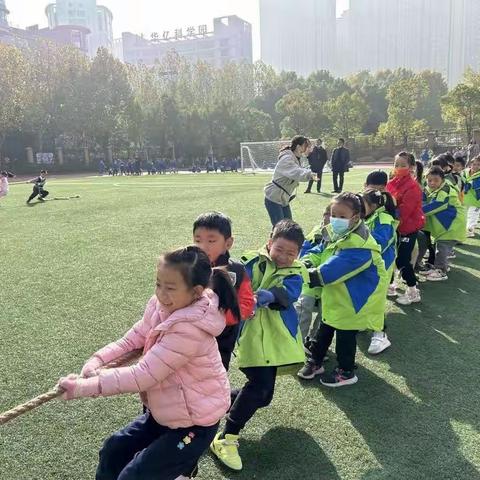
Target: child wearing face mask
{"type": "Point", "coordinates": [355, 282]}
{"type": "Point", "coordinates": [408, 196]}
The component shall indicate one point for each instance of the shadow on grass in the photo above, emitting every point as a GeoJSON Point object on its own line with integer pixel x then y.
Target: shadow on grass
{"type": "Point", "coordinates": [285, 453]}
{"type": "Point", "coordinates": [409, 428]}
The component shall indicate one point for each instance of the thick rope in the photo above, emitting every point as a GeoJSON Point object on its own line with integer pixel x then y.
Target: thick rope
{"type": "Point", "coordinates": [57, 391]}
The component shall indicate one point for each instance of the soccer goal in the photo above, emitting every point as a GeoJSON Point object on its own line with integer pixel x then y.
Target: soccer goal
{"type": "Point", "coordinates": [257, 157]}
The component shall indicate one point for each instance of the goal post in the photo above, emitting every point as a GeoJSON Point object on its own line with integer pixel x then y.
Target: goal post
{"type": "Point", "coordinates": [258, 157]}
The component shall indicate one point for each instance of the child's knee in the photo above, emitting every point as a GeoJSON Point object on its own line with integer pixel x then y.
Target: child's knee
{"type": "Point", "coordinates": [264, 396]}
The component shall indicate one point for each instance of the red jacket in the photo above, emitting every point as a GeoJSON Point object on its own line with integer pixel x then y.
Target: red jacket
{"type": "Point", "coordinates": [408, 195]}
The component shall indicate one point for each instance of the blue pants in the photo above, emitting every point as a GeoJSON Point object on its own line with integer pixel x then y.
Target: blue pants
{"type": "Point", "coordinates": [146, 450]}
{"type": "Point", "coordinates": [276, 212]}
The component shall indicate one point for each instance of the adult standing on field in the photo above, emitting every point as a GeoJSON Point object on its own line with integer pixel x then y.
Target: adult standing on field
{"type": "Point", "coordinates": [340, 163]}
{"type": "Point", "coordinates": [287, 176]}
{"type": "Point", "coordinates": [317, 160]}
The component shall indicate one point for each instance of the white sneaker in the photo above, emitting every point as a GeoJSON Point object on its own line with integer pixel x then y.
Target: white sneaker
{"type": "Point", "coordinates": [392, 290]}
{"type": "Point", "coordinates": [437, 276]}
{"type": "Point", "coordinates": [412, 295]}
{"type": "Point", "coordinates": [379, 343]}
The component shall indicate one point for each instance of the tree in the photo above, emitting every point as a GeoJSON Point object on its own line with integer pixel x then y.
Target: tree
{"type": "Point", "coordinates": [404, 97]}
{"type": "Point", "coordinates": [348, 114]}
{"type": "Point", "coordinates": [255, 125]}
{"type": "Point", "coordinates": [109, 96]}
{"type": "Point", "coordinates": [461, 106]}
{"type": "Point", "coordinates": [429, 107]}
{"type": "Point", "coordinates": [56, 98]}
{"type": "Point", "coordinates": [13, 90]}
{"type": "Point", "coordinates": [296, 108]}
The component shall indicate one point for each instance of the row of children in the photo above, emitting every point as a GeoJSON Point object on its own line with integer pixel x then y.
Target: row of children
{"type": "Point", "coordinates": [346, 266]}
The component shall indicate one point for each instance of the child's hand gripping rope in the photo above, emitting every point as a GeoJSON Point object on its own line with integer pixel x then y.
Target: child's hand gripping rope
{"type": "Point", "coordinates": [70, 386]}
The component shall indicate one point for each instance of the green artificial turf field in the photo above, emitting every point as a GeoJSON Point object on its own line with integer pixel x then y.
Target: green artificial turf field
{"type": "Point", "coordinates": [76, 275]}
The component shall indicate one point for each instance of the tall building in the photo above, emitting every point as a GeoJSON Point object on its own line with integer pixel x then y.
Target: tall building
{"type": "Point", "coordinates": [3, 14]}
{"type": "Point", "coordinates": [439, 35]}
{"type": "Point", "coordinates": [85, 13]}
{"type": "Point", "coordinates": [75, 35]}
{"type": "Point", "coordinates": [230, 41]}
{"type": "Point", "coordinates": [298, 35]}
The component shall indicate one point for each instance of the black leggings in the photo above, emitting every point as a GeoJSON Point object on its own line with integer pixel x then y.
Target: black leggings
{"type": "Point", "coordinates": [406, 244]}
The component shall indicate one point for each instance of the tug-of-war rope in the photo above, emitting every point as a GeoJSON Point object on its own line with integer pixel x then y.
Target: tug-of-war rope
{"type": "Point", "coordinates": [57, 391]}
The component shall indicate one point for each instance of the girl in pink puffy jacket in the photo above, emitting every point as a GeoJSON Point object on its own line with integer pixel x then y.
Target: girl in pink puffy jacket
{"type": "Point", "coordinates": [181, 379]}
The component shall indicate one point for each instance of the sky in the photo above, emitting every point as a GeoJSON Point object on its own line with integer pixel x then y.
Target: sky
{"type": "Point", "coordinates": [147, 16]}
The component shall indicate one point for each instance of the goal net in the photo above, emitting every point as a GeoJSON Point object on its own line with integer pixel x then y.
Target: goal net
{"type": "Point", "coordinates": [258, 157]}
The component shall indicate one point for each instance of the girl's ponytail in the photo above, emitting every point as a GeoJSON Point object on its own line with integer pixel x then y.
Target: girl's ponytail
{"type": "Point", "coordinates": [389, 204]}
{"type": "Point", "coordinates": [222, 285]}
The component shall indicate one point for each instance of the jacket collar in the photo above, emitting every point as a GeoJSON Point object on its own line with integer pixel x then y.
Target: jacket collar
{"type": "Point", "coordinates": [222, 260]}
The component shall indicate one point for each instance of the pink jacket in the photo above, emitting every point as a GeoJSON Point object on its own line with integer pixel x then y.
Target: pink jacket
{"type": "Point", "coordinates": [181, 375]}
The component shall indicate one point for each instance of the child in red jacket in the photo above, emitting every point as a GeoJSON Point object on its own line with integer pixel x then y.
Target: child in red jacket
{"type": "Point", "coordinates": [408, 196]}
{"type": "Point", "coordinates": [212, 232]}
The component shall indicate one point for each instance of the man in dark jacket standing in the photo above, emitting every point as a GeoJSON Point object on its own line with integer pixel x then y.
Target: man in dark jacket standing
{"type": "Point", "coordinates": [317, 160]}
{"type": "Point", "coordinates": [340, 162]}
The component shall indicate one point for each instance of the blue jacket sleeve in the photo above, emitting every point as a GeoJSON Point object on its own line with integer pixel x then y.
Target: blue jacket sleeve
{"type": "Point", "coordinates": [344, 265]}
{"type": "Point", "coordinates": [305, 248]}
{"type": "Point", "coordinates": [383, 235]}
{"type": "Point", "coordinates": [434, 207]}
{"type": "Point", "coordinates": [287, 294]}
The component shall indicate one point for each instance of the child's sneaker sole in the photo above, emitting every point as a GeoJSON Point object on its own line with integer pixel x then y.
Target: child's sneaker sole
{"type": "Point", "coordinates": [344, 383]}
{"type": "Point", "coordinates": [437, 279]}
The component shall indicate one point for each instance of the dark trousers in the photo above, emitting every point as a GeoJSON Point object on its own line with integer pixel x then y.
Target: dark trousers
{"type": "Point", "coordinates": [226, 343]}
{"type": "Point", "coordinates": [146, 450]}
{"type": "Point", "coordinates": [277, 212]}
{"type": "Point", "coordinates": [406, 244]}
{"type": "Point", "coordinates": [256, 393]}
{"type": "Point", "coordinates": [37, 192]}
{"type": "Point", "coordinates": [338, 185]}
{"type": "Point", "coordinates": [346, 346]}
{"type": "Point", "coordinates": [424, 244]}
{"type": "Point", "coordinates": [319, 183]}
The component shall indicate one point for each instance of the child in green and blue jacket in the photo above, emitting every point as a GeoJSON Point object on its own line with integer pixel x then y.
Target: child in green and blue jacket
{"type": "Point", "coordinates": [380, 218]}
{"type": "Point", "coordinates": [271, 338]}
{"type": "Point", "coordinates": [446, 220]}
{"type": "Point", "coordinates": [472, 196]}
{"type": "Point", "coordinates": [354, 280]}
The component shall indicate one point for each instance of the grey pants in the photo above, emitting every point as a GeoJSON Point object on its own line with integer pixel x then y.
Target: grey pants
{"type": "Point", "coordinates": [444, 249]}
{"type": "Point", "coordinates": [306, 307]}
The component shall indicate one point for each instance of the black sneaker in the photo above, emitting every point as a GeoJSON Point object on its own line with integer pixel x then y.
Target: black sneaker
{"type": "Point", "coordinates": [310, 371]}
{"type": "Point", "coordinates": [339, 378]}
